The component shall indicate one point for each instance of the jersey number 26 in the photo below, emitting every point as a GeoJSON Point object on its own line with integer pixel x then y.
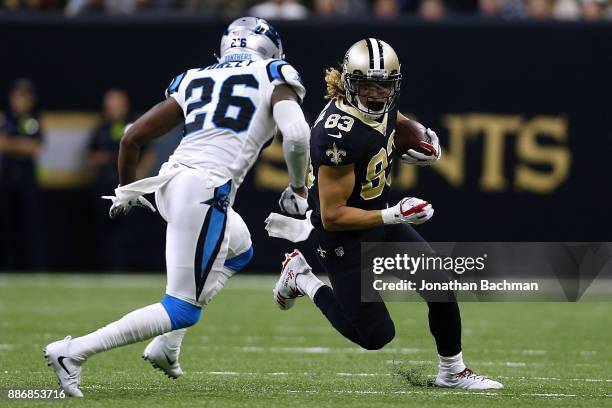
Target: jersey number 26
{"type": "Point", "coordinates": [245, 105]}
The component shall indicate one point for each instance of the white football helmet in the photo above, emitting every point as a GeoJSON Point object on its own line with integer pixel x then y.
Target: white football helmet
{"type": "Point", "coordinates": [249, 37]}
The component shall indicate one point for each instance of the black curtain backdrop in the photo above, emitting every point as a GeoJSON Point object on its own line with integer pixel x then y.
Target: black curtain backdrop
{"type": "Point", "coordinates": [522, 111]}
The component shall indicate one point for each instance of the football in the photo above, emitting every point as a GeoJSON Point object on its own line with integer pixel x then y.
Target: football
{"type": "Point", "coordinates": [410, 134]}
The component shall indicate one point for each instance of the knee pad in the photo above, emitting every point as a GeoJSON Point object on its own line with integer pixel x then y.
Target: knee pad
{"type": "Point", "coordinates": [182, 314]}
{"type": "Point", "coordinates": [237, 263]}
{"type": "Point", "coordinates": [217, 279]}
{"type": "Point", "coordinates": [379, 335]}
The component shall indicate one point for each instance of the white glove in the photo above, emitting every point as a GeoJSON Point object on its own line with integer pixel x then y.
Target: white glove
{"type": "Point", "coordinates": [124, 206]}
{"type": "Point", "coordinates": [409, 210]}
{"type": "Point", "coordinates": [422, 159]}
{"type": "Point", "coordinates": [292, 203]}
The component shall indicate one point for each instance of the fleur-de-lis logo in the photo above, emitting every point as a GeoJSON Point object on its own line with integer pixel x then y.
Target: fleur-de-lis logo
{"type": "Point", "coordinates": [335, 154]}
{"type": "Point", "coordinates": [321, 252]}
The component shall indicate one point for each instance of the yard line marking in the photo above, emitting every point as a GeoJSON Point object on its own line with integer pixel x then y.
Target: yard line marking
{"type": "Point", "coordinates": [364, 374]}
{"type": "Point", "coordinates": [228, 373]}
{"type": "Point", "coordinates": [248, 338]}
{"type": "Point", "coordinates": [560, 379]}
{"type": "Point", "coordinates": [361, 374]}
{"type": "Point", "coordinates": [529, 352]}
{"type": "Point", "coordinates": [316, 350]}
{"type": "Point", "coordinates": [400, 362]}
{"type": "Point", "coordinates": [432, 392]}
{"type": "Point", "coordinates": [474, 363]}
{"type": "Point", "coordinates": [324, 350]}
{"type": "Point", "coordinates": [532, 352]}
{"type": "Point", "coordinates": [6, 346]}
{"type": "Point", "coordinates": [233, 373]}
{"type": "Point", "coordinates": [389, 350]}
{"type": "Point", "coordinates": [447, 392]}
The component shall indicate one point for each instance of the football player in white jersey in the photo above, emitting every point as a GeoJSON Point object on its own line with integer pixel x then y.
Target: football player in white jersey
{"type": "Point", "coordinates": [230, 111]}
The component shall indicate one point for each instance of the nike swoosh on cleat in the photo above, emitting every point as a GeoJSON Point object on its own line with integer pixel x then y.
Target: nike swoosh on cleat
{"type": "Point", "coordinates": [60, 360]}
{"type": "Point", "coordinates": [168, 359]}
{"type": "Point", "coordinates": [338, 136]}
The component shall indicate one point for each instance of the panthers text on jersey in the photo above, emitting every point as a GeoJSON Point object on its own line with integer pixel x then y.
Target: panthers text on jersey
{"type": "Point", "coordinates": [343, 135]}
{"type": "Point", "coordinates": [228, 117]}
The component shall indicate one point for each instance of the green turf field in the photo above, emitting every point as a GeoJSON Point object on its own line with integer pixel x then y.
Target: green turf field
{"type": "Point", "coordinates": [247, 353]}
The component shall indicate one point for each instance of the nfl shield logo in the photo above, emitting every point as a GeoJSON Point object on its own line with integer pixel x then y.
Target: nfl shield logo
{"type": "Point", "coordinates": [339, 251]}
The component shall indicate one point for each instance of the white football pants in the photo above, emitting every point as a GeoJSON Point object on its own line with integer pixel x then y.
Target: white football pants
{"type": "Point", "coordinates": [202, 232]}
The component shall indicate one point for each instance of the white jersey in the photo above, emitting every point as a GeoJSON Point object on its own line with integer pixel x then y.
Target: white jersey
{"type": "Point", "coordinates": [228, 117]}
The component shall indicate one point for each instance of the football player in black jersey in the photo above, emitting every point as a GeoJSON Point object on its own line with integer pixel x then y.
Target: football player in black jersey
{"type": "Point", "coordinates": [351, 151]}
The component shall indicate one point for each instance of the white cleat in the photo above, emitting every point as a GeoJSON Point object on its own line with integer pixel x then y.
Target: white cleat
{"type": "Point", "coordinates": [466, 379]}
{"type": "Point", "coordinates": [162, 358]}
{"type": "Point", "coordinates": [286, 289]}
{"type": "Point", "coordinates": [68, 371]}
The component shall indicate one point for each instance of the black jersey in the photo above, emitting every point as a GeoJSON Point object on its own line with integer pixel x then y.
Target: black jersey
{"type": "Point", "coordinates": [343, 135]}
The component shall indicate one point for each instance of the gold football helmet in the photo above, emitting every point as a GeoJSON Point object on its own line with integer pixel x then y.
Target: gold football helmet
{"type": "Point", "coordinates": [371, 76]}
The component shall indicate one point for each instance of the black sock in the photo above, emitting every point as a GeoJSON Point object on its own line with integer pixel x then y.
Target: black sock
{"type": "Point", "coordinates": [445, 326]}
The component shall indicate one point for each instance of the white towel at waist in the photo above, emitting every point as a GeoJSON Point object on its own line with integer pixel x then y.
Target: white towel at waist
{"type": "Point", "coordinates": [292, 229]}
{"type": "Point", "coordinates": [150, 184]}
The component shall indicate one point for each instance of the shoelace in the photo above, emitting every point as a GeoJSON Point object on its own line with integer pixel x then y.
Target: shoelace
{"type": "Point", "coordinates": [468, 373]}
{"type": "Point", "coordinates": [295, 293]}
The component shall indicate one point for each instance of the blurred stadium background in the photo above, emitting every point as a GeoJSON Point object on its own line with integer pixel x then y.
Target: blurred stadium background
{"type": "Point", "coordinates": [518, 91]}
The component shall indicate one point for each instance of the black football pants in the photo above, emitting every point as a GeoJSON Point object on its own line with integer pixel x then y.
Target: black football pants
{"type": "Point", "coordinates": [369, 324]}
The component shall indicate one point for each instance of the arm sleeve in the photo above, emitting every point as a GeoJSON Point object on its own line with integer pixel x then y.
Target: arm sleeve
{"type": "Point", "coordinates": [296, 135]}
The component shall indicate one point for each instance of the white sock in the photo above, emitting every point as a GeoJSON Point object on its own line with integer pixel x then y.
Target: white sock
{"type": "Point", "coordinates": [138, 325]}
{"type": "Point", "coordinates": [453, 364]}
{"type": "Point", "coordinates": [308, 283]}
{"type": "Point", "coordinates": [174, 339]}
